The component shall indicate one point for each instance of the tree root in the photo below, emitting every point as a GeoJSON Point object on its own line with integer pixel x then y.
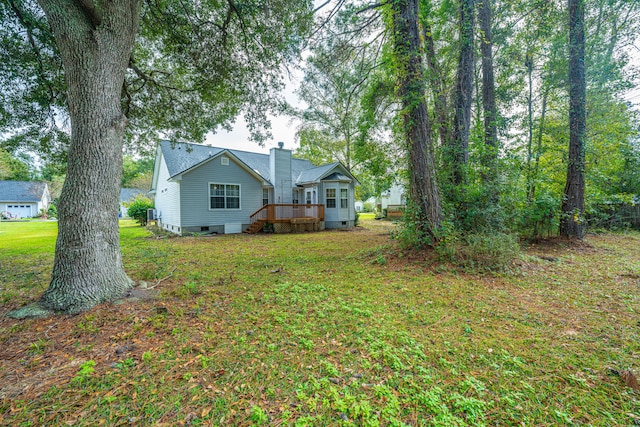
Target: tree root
{"type": "Point", "coordinates": [31, 311]}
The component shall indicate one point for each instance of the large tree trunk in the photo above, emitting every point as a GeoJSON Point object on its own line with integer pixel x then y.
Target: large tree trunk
{"type": "Point", "coordinates": [571, 223]}
{"type": "Point", "coordinates": [95, 44]}
{"type": "Point", "coordinates": [424, 193]}
{"type": "Point", "coordinates": [437, 83]}
{"type": "Point", "coordinates": [488, 95]}
{"type": "Point", "coordinates": [464, 93]}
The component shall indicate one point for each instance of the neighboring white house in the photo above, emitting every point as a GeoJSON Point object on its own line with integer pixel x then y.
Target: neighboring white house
{"type": "Point", "coordinates": [199, 188]}
{"type": "Point", "coordinates": [394, 196]}
{"type": "Point", "coordinates": [128, 195]}
{"type": "Point", "coordinates": [23, 199]}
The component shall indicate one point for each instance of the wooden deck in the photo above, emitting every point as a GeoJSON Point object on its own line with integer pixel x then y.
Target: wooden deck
{"type": "Point", "coordinates": [297, 217]}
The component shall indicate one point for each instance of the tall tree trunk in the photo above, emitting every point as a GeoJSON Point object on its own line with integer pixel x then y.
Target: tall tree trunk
{"type": "Point", "coordinates": [95, 43]}
{"type": "Point", "coordinates": [423, 190]}
{"type": "Point", "coordinates": [571, 223]}
{"type": "Point", "coordinates": [464, 93]}
{"type": "Point", "coordinates": [538, 153]}
{"type": "Point", "coordinates": [436, 81]}
{"type": "Point", "coordinates": [529, 64]}
{"type": "Point", "coordinates": [488, 95]}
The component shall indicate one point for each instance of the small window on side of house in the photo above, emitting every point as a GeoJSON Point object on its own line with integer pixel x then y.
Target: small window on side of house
{"type": "Point", "coordinates": [344, 198]}
{"type": "Point", "coordinates": [330, 199]}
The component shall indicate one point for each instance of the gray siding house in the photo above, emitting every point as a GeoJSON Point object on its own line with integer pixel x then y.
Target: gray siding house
{"type": "Point", "coordinates": [23, 199]}
{"type": "Point", "coordinates": [199, 188]}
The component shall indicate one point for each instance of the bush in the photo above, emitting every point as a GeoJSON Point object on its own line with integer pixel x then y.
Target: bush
{"type": "Point", "coordinates": [480, 252]}
{"type": "Point", "coordinates": [368, 207]}
{"type": "Point", "coordinates": [413, 232]}
{"type": "Point", "coordinates": [138, 209]}
{"type": "Point", "coordinates": [541, 216]}
{"type": "Point", "coordinates": [52, 212]}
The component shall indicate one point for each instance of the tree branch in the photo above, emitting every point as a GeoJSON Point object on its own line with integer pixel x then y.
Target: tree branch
{"type": "Point", "coordinates": [36, 51]}
{"type": "Point", "coordinates": [148, 78]}
{"type": "Point", "coordinates": [371, 6]}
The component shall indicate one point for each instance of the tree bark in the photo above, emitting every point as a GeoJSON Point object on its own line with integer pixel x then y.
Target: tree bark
{"type": "Point", "coordinates": [571, 223]}
{"type": "Point", "coordinates": [95, 42]}
{"type": "Point", "coordinates": [424, 192]}
{"type": "Point", "coordinates": [464, 93]}
{"type": "Point", "coordinates": [488, 94]}
{"type": "Point", "coordinates": [538, 153]}
{"type": "Point", "coordinates": [436, 81]}
{"type": "Point", "coordinates": [529, 64]}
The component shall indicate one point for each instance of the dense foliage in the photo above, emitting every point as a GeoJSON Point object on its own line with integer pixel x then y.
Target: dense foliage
{"type": "Point", "coordinates": [510, 175]}
{"type": "Point", "coordinates": [194, 68]}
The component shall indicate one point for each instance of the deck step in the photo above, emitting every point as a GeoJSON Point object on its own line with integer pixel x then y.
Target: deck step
{"type": "Point", "coordinates": [254, 228]}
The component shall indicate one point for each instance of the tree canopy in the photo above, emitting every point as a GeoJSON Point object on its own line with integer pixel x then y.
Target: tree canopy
{"type": "Point", "coordinates": [194, 68]}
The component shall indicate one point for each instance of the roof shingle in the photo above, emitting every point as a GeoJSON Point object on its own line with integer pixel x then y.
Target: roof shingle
{"type": "Point", "coordinates": [21, 191]}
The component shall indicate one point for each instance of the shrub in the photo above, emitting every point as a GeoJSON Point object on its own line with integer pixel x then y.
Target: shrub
{"type": "Point", "coordinates": [52, 212]}
{"type": "Point", "coordinates": [368, 207]}
{"type": "Point", "coordinates": [138, 209]}
{"type": "Point", "coordinates": [413, 229]}
{"type": "Point", "coordinates": [480, 251]}
{"type": "Point", "coordinates": [541, 216]}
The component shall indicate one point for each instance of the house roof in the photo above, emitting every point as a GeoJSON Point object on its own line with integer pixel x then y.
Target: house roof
{"type": "Point", "coordinates": [22, 191]}
{"type": "Point", "coordinates": [181, 157]}
{"type": "Point", "coordinates": [315, 173]}
{"type": "Point", "coordinates": [127, 194]}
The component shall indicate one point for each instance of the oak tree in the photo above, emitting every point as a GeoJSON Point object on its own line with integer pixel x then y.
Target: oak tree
{"type": "Point", "coordinates": [112, 70]}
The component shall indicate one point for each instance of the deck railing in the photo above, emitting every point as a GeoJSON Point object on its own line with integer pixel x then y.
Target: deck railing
{"type": "Point", "coordinates": [286, 212]}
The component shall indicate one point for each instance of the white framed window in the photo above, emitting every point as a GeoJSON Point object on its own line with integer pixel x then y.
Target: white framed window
{"type": "Point", "coordinates": [224, 196]}
{"type": "Point", "coordinates": [265, 196]}
{"type": "Point", "coordinates": [344, 198]}
{"type": "Point", "coordinates": [224, 161]}
{"type": "Point", "coordinates": [330, 197]}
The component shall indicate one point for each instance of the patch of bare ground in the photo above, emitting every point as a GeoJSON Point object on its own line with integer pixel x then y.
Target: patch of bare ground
{"type": "Point", "coordinates": [40, 353]}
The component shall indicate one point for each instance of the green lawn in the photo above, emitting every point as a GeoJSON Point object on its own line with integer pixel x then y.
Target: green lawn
{"type": "Point", "coordinates": [333, 328]}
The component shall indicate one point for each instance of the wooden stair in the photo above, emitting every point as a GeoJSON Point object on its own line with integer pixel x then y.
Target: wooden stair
{"type": "Point", "coordinates": [255, 227]}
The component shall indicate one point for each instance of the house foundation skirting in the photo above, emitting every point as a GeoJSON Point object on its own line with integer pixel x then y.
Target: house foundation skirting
{"type": "Point", "coordinates": [339, 224]}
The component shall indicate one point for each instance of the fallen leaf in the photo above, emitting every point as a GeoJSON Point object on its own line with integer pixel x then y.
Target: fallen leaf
{"type": "Point", "coordinates": [629, 379]}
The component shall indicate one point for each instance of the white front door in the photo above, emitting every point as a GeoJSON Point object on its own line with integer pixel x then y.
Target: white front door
{"type": "Point", "coordinates": [344, 202]}
{"type": "Point", "coordinates": [331, 202]}
{"type": "Point", "coordinates": [311, 197]}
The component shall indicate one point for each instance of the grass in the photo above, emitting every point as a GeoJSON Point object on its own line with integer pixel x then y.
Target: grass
{"type": "Point", "coordinates": [333, 328]}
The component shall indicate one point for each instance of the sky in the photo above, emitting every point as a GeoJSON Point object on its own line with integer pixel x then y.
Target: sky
{"type": "Point", "coordinates": [238, 139]}
{"type": "Point", "coordinates": [283, 128]}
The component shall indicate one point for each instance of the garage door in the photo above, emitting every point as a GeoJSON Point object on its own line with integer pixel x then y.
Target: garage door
{"type": "Point", "coordinates": [19, 211]}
